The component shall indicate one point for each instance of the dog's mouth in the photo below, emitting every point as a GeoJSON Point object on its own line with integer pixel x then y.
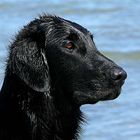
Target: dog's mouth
{"type": "Point", "coordinates": [92, 98]}
{"type": "Point", "coordinates": [111, 95]}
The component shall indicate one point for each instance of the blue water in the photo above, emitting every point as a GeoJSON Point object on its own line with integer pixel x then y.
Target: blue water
{"type": "Point", "coordinates": [115, 25]}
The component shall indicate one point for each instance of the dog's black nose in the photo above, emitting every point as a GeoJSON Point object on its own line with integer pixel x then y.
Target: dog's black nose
{"type": "Point", "coordinates": [118, 75]}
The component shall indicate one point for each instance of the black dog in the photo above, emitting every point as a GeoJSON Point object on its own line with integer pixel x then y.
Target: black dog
{"type": "Point", "coordinates": [53, 68]}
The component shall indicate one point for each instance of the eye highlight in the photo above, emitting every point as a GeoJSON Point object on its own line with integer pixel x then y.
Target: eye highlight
{"type": "Point", "coordinates": [70, 45]}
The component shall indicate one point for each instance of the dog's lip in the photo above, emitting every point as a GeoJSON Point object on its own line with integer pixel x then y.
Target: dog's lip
{"type": "Point", "coordinates": [85, 98]}
{"type": "Point", "coordinates": [119, 83]}
{"type": "Point", "coordinates": [108, 95]}
{"type": "Point", "coordinates": [111, 96]}
{"type": "Point", "coordinates": [93, 98]}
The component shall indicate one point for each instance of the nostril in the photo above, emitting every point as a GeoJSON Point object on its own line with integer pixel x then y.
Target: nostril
{"type": "Point", "coordinates": [118, 75]}
{"type": "Point", "coordinates": [124, 75]}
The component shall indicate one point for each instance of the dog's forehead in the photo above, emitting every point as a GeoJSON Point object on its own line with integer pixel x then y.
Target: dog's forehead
{"type": "Point", "coordinates": [72, 25]}
{"type": "Point", "coordinates": [77, 27]}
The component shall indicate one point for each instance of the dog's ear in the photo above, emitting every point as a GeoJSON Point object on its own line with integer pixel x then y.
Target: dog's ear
{"type": "Point", "coordinates": [28, 59]}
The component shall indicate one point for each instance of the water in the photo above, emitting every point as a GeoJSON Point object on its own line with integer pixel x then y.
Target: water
{"type": "Point", "coordinates": [116, 28]}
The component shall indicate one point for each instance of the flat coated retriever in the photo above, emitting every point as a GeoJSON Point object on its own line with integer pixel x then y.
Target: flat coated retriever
{"type": "Point", "coordinates": [53, 68]}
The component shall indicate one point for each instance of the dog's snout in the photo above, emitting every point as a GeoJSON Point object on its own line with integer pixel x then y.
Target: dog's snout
{"type": "Point", "coordinates": [118, 75]}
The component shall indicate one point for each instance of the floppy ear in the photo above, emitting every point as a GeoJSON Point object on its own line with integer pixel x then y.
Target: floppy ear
{"type": "Point", "coordinates": [29, 61]}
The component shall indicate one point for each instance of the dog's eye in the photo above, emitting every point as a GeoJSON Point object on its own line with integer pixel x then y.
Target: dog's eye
{"type": "Point", "coordinates": [70, 45]}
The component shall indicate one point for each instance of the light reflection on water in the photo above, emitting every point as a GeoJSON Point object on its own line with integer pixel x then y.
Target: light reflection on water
{"type": "Point", "coordinates": [116, 29]}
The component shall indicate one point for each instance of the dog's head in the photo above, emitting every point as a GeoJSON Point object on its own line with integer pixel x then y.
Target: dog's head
{"type": "Point", "coordinates": [52, 52]}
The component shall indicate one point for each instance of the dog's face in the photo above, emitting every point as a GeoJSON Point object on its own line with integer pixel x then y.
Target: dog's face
{"type": "Point", "coordinates": [56, 53]}
{"type": "Point", "coordinates": [76, 64]}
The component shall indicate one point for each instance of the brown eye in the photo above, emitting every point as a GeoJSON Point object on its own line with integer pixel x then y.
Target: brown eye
{"type": "Point", "coordinates": [69, 45]}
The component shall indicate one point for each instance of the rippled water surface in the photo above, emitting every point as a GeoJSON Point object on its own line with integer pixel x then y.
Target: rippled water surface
{"type": "Point", "coordinates": [115, 25]}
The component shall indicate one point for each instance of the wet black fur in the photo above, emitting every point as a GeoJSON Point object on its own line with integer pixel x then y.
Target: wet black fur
{"type": "Point", "coordinates": [46, 83]}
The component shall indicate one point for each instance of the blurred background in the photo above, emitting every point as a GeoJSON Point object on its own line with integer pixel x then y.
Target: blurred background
{"type": "Point", "coordinates": [115, 25]}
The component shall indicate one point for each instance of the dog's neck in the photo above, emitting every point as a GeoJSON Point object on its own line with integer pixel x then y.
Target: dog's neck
{"type": "Point", "coordinates": [42, 117]}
